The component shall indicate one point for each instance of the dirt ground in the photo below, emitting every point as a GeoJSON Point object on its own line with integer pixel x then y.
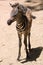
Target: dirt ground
{"type": "Point", "coordinates": [9, 38]}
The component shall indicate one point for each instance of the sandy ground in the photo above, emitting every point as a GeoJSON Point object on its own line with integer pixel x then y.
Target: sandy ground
{"type": "Point", "coordinates": [9, 39]}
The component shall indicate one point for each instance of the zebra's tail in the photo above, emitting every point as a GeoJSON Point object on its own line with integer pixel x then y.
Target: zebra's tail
{"type": "Point", "coordinates": [33, 17]}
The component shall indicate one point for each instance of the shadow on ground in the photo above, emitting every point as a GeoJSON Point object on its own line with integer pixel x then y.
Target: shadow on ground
{"type": "Point", "coordinates": [33, 55]}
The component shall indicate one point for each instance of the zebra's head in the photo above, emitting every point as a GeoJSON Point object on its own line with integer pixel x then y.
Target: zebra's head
{"type": "Point", "coordinates": [16, 8]}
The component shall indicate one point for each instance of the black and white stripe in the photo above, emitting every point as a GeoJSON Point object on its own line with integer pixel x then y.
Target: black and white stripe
{"type": "Point", "coordinates": [22, 25]}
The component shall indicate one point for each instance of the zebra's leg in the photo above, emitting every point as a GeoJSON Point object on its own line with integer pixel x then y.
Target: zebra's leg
{"type": "Point", "coordinates": [20, 44]}
{"type": "Point", "coordinates": [29, 45]}
{"type": "Point", "coordinates": [25, 43]}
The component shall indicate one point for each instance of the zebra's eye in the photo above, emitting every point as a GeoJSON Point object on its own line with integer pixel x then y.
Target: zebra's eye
{"type": "Point", "coordinates": [18, 7]}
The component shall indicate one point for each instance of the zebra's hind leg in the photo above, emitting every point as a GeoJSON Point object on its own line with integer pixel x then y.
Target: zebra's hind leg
{"type": "Point", "coordinates": [20, 44]}
{"type": "Point", "coordinates": [29, 45]}
{"type": "Point", "coordinates": [25, 43]}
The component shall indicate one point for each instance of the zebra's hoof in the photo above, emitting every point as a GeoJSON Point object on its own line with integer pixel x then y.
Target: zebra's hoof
{"type": "Point", "coordinates": [18, 59]}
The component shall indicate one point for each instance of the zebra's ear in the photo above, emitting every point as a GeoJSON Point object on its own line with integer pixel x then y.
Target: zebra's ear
{"type": "Point", "coordinates": [11, 4]}
{"type": "Point", "coordinates": [14, 5]}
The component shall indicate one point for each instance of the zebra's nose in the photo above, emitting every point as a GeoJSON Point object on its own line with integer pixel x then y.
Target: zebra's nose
{"type": "Point", "coordinates": [9, 22]}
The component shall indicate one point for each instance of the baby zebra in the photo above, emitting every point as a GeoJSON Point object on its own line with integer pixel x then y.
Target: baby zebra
{"type": "Point", "coordinates": [23, 18]}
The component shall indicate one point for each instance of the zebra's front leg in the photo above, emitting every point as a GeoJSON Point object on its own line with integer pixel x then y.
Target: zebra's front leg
{"type": "Point", "coordinates": [25, 43]}
{"type": "Point", "coordinates": [20, 44]}
{"type": "Point", "coordinates": [29, 45]}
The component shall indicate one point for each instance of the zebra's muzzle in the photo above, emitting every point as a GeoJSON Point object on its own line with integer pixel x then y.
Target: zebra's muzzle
{"type": "Point", "coordinates": [9, 22]}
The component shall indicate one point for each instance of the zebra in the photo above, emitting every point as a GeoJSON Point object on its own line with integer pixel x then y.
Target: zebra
{"type": "Point", "coordinates": [23, 17]}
